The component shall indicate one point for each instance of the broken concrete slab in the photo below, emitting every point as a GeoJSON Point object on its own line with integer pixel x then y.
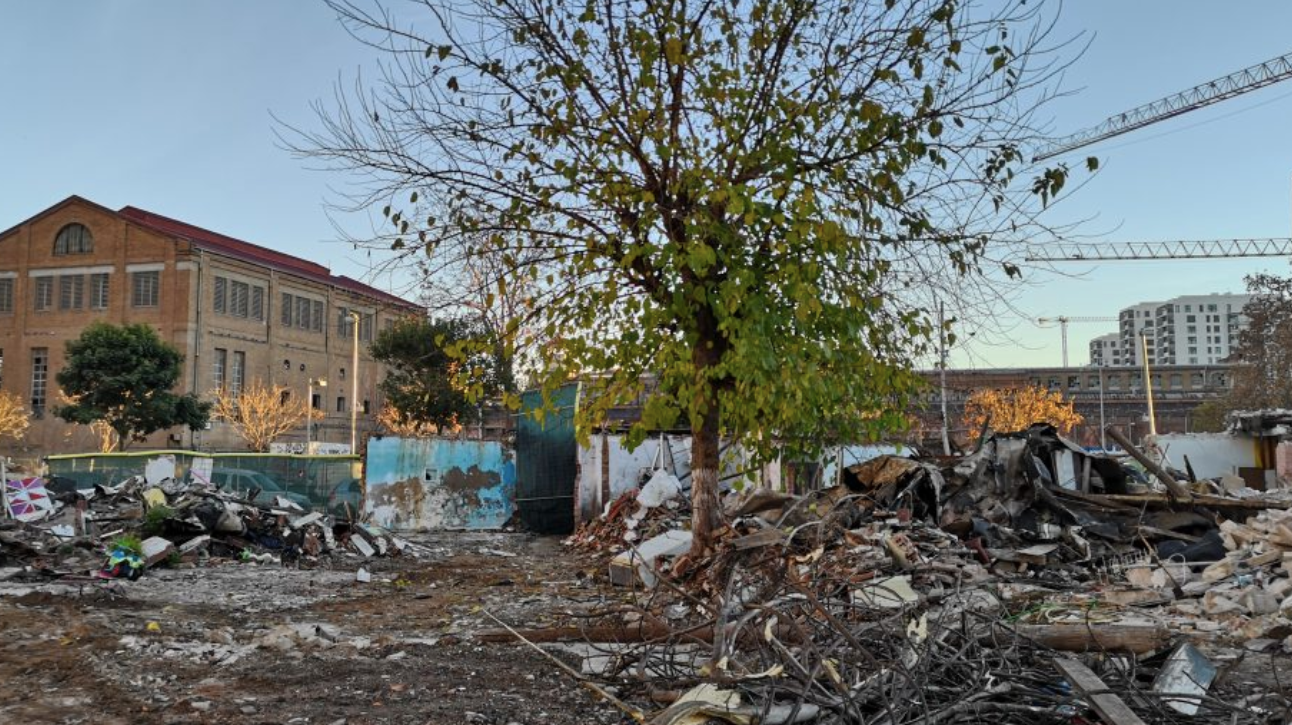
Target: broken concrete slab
{"type": "Point", "coordinates": [638, 564]}
{"type": "Point", "coordinates": [155, 550]}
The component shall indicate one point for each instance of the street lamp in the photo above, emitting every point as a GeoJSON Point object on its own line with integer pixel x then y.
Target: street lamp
{"type": "Point", "coordinates": [354, 383]}
{"type": "Point", "coordinates": [309, 409]}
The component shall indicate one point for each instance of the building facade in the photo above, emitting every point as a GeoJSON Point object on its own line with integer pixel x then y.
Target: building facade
{"type": "Point", "coordinates": [1189, 330]}
{"type": "Point", "coordinates": [238, 312]}
{"type": "Point", "coordinates": [1103, 396]}
{"type": "Point", "coordinates": [1106, 350]}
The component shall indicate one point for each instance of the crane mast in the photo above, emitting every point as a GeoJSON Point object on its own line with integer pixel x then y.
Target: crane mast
{"type": "Point", "coordinates": [1173, 249]}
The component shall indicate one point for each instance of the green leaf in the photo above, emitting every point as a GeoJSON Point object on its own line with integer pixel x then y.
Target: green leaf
{"type": "Point", "coordinates": [1092, 163]}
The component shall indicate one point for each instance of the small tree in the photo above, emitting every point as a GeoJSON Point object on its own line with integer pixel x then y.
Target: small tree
{"type": "Point", "coordinates": [423, 383]}
{"type": "Point", "coordinates": [125, 376]}
{"type": "Point", "coordinates": [1009, 410]}
{"type": "Point", "coordinates": [14, 418]}
{"type": "Point", "coordinates": [261, 413]}
{"type": "Point", "coordinates": [104, 437]}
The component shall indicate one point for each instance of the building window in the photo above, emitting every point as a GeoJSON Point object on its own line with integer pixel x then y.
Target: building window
{"type": "Point", "coordinates": [73, 239]}
{"type": "Point", "coordinates": [1093, 382]}
{"type": "Point", "coordinates": [218, 365]}
{"type": "Point", "coordinates": [340, 404]}
{"type": "Point", "coordinates": [44, 293]}
{"type": "Point", "coordinates": [287, 310]}
{"type": "Point", "coordinates": [39, 379]}
{"type": "Point", "coordinates": [316, 401]}
{"type": "Point", "coordinates": [238, 374]}
{"type": "Point", "coordinates": [99, 291]}
{"type": "Point", "coordinates": [365, 327]}
{"type": "Point", "coordinates": [367, 409]}
{"type": "Point", "coordinates": [146, 290]}
{"type": "Point", "coordinates": [239, 299]}
{"type": "Point", "coordinates": [302, 313]}
{"type": "Point", "coordinates": [258, 304]}
{"type": "Point", "coordinates": [71, 292]}
{"type": "Point", "coordinates": [343, 323]}
{"type": "Point", "coordinates": [1114, 382]}
{"type": "Point", "coordinates": [6, 295]}
{"type": "Point", "coordinates": [1177, 381]}
{"type": "Point", "coordinates": [316, 316]}
{"type": "Point", "coordinates": [220, 295]}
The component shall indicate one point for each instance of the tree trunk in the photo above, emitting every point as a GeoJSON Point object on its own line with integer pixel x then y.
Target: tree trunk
{"type": "Point", "coordinates": [705, 514]}
{"type": "Point", "coordinates": [706, 517]}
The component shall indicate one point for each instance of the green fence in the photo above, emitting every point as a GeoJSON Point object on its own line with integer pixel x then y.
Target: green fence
{"type": "Point", "coordinates": [317, 482]}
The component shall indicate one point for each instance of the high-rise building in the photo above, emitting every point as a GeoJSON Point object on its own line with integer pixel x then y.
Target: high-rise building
{"type": "Point", "coordinates": [1188, 330]}
{"type": "Point", "coordinates": [1106, 350]}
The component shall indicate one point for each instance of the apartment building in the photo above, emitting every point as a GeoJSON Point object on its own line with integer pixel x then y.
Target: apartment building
{"type": "Point", "coordinates": [1106, 350]}
{"type": "Point", "coordinates": [1188, 330]}
{"type": "Point", "coordinates": [238, 311]}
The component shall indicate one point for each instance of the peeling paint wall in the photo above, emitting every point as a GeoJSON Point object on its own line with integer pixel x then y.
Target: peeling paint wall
{"type": "Point", "coordinates": [434, 483]}
{"type": "Point", "coordinates": [1211, 454]}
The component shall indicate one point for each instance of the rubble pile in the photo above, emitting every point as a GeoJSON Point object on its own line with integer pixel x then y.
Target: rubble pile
{"type": "Point", "coordinates": [1027, 582]}
{"type": "Point", "coordinates": [121, 531]}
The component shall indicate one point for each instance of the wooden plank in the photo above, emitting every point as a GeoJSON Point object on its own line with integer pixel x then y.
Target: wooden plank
{"type": "Point", "coordinates": [1111, 708]}
{"type": "Point", "coordinates": [1172, 486]}
{"type": "Point", "coordinates": [1090, 637]}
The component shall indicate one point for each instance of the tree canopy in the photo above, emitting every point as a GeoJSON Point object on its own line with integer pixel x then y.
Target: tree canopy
{"type": "Point", "coordinates": [1009, 410]}
{"type": "Point", "coordinates": [125, 376]}
{"type": "Point", "coordinates": [751, 202]}
{"type": "Point", "coordinates": [260, 413]}
{"type": "Point", "coordinates": [423, 384]}
{"type": "Point", "coordinates": [1264, 350]}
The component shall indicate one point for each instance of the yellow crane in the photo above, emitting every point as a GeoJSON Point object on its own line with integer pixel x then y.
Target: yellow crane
{"type": "Point", "coordinates": [1062, 321]}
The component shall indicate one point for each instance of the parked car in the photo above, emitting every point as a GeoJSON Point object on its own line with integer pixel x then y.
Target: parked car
{"type": "Point", "coordinates": [242, 481]}
{"type": "Point", "coordinates": [349, 491]}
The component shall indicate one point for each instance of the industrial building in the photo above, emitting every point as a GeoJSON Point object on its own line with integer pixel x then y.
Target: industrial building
{"type": "Point", "coordinates": [237, 311]}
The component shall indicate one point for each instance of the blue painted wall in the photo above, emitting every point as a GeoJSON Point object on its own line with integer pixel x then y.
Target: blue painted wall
{"type": "Point", "coordinates": [433, 483]}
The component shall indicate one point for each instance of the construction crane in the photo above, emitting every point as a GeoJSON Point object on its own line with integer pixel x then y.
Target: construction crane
{"type": "Point", "coordinates": [1063, 327]}
{"type": "Point", "coordinates": [1235, 84]}
{"type": "Point", "coordinates": [1176, 249]}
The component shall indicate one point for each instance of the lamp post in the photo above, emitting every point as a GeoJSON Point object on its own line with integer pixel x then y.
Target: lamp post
{"type": "Point", "coordinates": [309, 409]}
{"type": "Point", "coordinates": [354, 384]}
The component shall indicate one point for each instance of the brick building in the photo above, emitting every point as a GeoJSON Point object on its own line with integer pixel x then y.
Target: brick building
{"type": "Point", "coordinates": [237, 311]}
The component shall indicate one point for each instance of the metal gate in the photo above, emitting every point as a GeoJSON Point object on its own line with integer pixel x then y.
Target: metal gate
{"type": "Point", "coordinates": [547, 462]}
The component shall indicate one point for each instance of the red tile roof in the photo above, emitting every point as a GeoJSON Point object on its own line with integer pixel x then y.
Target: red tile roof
{"type": "Point", "coordinates": [238, 249]}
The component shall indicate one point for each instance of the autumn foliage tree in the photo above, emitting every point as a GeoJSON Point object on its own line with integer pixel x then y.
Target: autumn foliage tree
{"type": "Point", "coordinates": [14, 418]}
{"type": "Point", "coordinates": [746, 202]}
{"type": "Point", "coordinates": [260, 413]}
{"type": "Point", "coordinates": [1008, 410]}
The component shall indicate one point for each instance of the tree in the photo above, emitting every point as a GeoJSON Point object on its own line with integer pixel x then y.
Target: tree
{"type": "Point", "coordinates": [1009, 410]}
{"type": "Point", "coordinates": [423, 382]}
{"type": "Point", "coordinates": [1264, 349]}
{"type": "Point", "coordinates": [396, 424]}
{"type": "Point", "coordinates": [751, 202]}
{"type": "Point", "coordinates": [14, 418]}
{"type": "Point", "coordinates": [104, 437]}
{"type": "Point", "coordinates": [125, 376]}
{"type": "Point", "coordinates": [260, 413]}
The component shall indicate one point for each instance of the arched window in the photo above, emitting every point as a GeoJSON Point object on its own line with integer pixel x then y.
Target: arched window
{"type": "Point", "coordinates": [74, 239]}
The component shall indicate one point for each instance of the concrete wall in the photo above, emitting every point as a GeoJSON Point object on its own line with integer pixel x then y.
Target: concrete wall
{"type": "Point", "coordinates": [607, 468]}
{"type": "Point", "coordinates": [1211, 454]}
{"type": "Point", "coordinates": [436, 483]}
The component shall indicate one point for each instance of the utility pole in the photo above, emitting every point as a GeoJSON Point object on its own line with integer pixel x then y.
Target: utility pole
{"type": "Point", "coordinates": [1148, 383]}
{"type": "Point", "coordinates": [942, 354]}
{"type": "Point", "coordinates": [1103, 437]}
{"type": "Point", "coordinates": [354, 384]}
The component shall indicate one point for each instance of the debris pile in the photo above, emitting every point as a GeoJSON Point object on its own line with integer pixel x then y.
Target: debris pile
{"type": "Point", "coordinates": [1029, 581]}
{"type": "Point", "coordinates": [121, 531]}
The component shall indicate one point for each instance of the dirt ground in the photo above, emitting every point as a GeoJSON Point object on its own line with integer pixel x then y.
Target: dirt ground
{"type": "Point", "coordinates": [246, 643]}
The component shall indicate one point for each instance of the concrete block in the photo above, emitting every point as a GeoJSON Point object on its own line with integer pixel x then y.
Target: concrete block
{"type": "Point", "coordinates": [156, 549]}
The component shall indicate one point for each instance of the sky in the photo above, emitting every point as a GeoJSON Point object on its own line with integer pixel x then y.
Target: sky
{"type": "Point", "coordinates": [170, 106]}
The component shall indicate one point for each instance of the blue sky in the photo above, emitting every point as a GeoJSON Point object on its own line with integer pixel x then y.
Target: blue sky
{"type": "Point", "coordinates": [167, 106]}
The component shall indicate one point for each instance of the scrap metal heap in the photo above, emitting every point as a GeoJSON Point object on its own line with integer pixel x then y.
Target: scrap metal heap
{"type": "Point", "coordinates": [1027, 582]}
